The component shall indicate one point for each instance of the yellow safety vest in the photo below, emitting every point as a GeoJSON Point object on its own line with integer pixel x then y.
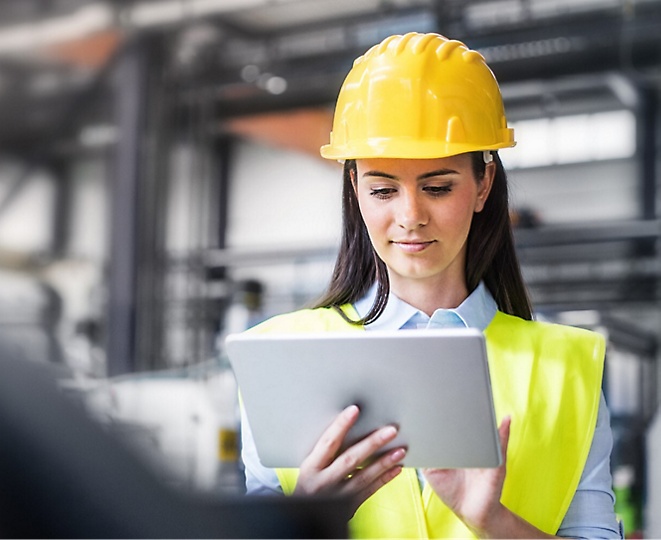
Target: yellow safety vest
{"type": "Point", "coordinates": [546, 376]}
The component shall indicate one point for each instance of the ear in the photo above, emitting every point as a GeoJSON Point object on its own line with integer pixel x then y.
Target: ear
{"type": "Point", "coordinates": [484, 186]}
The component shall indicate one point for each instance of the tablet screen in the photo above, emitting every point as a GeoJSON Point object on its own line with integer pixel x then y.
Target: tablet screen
{"type": "Point", "coordinates": [433, 384]}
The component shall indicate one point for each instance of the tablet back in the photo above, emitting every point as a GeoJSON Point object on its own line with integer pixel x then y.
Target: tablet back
{"type": "Point", "coordinates": [433, 384]}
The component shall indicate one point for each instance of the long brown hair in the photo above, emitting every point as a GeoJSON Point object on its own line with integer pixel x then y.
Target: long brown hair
{"type": "Point", "coordinates": [490, 255]}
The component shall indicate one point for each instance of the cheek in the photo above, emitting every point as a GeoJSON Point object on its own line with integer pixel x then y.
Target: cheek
{"type": "Point", "coordinates": [376, 219]}
{"type": "Point", "coordinates": [370, 216]}
{"type": "Point", "coordinates": [457, 216]}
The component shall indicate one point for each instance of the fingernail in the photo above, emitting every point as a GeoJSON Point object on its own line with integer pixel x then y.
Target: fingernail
{"type": "Point", "coordinates": [388, 432]}
{"type": "Point", "coordinates": [398, 454]}
{"type": "Point", "coordinates": [351, 410]}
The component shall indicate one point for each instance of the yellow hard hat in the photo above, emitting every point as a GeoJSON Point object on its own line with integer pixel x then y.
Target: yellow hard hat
{"type": "Point", "coordinates": [418, 96]}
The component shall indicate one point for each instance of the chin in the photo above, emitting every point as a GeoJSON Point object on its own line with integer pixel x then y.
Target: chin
{"type": "Point", "coordinates": [417, 274]}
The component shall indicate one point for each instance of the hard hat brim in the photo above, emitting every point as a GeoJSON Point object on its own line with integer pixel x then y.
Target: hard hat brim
{"type": "Point", "coordinates": [404, 149]}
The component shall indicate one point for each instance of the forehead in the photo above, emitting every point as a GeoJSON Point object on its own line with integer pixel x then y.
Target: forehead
{"type": "Point", "coordinates": [461, 163]}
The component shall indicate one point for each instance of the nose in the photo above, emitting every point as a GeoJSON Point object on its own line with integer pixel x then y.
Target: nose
{"type": "Point", "coordinates": [411, 213]}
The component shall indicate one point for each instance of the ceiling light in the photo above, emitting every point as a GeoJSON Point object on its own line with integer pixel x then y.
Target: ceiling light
{"type": "Point", "coordinates": [83, 22]}
{"type": "Point", "coordinates": [272, 83]}
{"type": "Point", "coordinates": [276, 85]}
{"type": "Point", "coordinates": [250, 73]}
{"type": "Point", "coordinates": [172, 11]}
{"type": "Point", "coordinates": [98, 136]}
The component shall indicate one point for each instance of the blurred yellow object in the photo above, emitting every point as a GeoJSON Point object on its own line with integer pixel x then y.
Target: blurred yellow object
{"type": "Point", "coordinates": [228, 445]}
{"type": "Point", "coordinates": [418, 96]}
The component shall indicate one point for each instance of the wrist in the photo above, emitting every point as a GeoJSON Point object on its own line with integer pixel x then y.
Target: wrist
{"type": "Point", "coordinates": [495, 524]}
{"type": "Point", "coordinates": [503, 523]}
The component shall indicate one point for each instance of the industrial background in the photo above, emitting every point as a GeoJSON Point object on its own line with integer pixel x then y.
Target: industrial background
{"type": "Point", "coordinates": [160, 187]}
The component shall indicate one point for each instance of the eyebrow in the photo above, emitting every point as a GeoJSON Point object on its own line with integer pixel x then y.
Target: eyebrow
{"type": "Point", "coordinates": [424, 176]}
{"type": "Point", "coordinates": [439, 172]}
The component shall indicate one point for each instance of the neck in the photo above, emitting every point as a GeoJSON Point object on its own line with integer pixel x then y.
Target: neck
{"type": "Point", "coordinates": [428, 297]}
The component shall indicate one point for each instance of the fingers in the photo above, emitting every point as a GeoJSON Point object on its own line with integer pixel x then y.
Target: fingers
{"type": "Point", "coordinates": [329, 443]}
{"type": "Point", "coordinates": [358, 454]}
{"type": "Point", "coordinates": [366, 480]}
{"type": "Point", "coordinates": [355, 470]}
{"type": "Point", "coordinates": [369, 479]}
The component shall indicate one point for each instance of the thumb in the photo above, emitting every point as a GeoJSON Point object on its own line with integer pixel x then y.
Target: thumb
{"type": "Point", "coordinates": [504, 435]}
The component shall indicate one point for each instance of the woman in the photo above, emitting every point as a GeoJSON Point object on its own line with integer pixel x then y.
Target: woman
{"type": "Point", "coordinates": [427, 242]}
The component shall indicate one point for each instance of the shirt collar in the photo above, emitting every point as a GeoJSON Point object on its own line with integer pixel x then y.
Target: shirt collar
{"type": "Point", "coordinates": [476, 311]}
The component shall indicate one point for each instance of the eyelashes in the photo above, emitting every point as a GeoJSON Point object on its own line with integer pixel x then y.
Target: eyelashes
{"type": "Point", "coordinates": [438, 190]}
{"type": "Point", "coordinates": [432, 190]}
{"type": "Point", "coordinates": [382, 193]}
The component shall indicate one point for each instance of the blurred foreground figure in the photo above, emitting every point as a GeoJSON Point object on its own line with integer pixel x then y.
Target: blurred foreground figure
{"type": "Point", "coordinates": [63, 476]}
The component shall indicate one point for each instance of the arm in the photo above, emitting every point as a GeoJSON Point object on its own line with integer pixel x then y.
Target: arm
{"type": "Point", "coordinates": [591, 513]}
{"type": "Point", "coordinates": [260, 480]}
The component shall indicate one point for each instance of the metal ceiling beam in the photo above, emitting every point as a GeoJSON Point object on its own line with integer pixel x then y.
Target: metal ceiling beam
{"type": "Point", "coordinates": [583, 44]}
{"type": "Point", "coordinates": [540, 50]}
{"type": "Point", "coordinates": [587, 233]}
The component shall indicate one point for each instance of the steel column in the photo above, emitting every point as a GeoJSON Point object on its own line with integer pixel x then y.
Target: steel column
{"type": "Point", "coordinates": [647, 128]}
{"type": "Point", "coordinates": [130, 116]}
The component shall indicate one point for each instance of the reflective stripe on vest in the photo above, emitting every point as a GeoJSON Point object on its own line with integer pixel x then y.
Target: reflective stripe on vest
{"type": "Point", "coordinates": [547, 377]}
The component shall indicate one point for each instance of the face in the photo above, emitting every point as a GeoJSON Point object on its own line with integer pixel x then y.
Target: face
{"type": "Point", "coordinates": [418, 214]}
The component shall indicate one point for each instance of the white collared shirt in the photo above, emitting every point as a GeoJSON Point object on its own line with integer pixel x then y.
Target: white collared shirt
{"type": "Point", "coordinates": [474, 312]}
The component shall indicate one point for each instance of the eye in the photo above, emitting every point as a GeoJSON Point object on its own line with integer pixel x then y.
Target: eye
{"type": "Point", "coordinates": [382, 193]}
{"type": "Point", "coordinates": [438, 191]}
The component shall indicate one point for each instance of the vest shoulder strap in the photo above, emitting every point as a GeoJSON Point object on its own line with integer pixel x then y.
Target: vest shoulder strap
{"type": "Point", "coordinates": [311, 320]}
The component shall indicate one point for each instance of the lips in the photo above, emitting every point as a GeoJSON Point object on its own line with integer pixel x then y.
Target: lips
{"type": "Point", "coordinates": [413, 246]}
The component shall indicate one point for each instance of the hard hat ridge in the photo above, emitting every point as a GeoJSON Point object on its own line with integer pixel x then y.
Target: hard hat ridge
{"type": "Point", "coordinates": [417, 43]}
{"type": "Point", "coordinates": [418, 96]}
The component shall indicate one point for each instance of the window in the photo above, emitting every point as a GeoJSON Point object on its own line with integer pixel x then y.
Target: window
{"type": "Point", "coordinates": [572, 139]}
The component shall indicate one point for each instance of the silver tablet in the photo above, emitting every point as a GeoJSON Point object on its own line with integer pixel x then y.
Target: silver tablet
{"type": "Point", "coordinates": [433, 384]}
